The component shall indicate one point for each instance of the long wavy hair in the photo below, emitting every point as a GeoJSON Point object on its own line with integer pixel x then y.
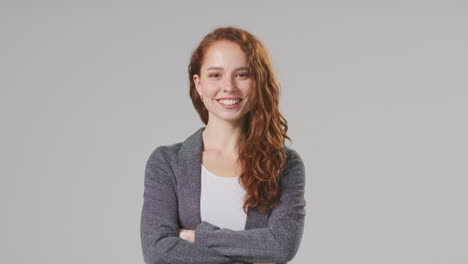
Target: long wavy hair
{"type": "Point", "coordinates": [261, 151]}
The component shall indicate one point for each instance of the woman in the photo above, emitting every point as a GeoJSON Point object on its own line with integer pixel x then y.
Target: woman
{"type": "Point", "coordinates": [232, 192]}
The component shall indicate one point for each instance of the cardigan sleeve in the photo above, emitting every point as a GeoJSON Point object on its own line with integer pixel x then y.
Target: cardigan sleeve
{"type": "Point", "coordinates": [279, 242]}
{"type": "Point", "coordinates": [159, 221]}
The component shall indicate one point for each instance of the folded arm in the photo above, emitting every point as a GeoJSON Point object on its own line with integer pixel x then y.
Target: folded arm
{"type": "Point", "coordinates": [279, 242]}
{"type": "Point", "coordinates": [159, 222]}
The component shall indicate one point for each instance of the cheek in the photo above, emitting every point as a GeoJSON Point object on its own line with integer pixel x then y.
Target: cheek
{"type": "Point", "coordinates": [209, 90]}
{"type": "Point", "coordinates": [245, 86]}
{"type": "Point", "coordinates": [246, 90]}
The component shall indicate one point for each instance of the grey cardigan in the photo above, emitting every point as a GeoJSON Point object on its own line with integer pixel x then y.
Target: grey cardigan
{"type": "Point", "coordinates": [172, 200]}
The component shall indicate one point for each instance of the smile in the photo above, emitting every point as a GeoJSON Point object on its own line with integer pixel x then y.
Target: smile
{"type": "Point", "coordinates": [229, 104]}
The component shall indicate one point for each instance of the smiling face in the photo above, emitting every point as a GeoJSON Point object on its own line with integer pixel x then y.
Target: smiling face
{"type": "Point", "coordinates": [224, 74]}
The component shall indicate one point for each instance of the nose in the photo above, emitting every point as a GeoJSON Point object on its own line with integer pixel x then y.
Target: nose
{"type": "Point", "coordinates": [228, 84]}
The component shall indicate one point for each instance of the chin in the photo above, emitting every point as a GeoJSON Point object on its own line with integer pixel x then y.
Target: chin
{"type": "Point", "coordinates": [231, 118]}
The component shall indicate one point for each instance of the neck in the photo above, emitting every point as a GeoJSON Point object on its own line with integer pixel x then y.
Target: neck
{"type": "Point", "coordinates": [222, 136]}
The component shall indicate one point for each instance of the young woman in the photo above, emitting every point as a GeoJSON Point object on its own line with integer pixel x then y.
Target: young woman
{"type": "Point", "coordinates": [232, 192]}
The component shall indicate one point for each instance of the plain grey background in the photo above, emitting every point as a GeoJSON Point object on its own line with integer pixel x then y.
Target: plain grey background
{"type": "Point", "coordinates": [375, 94]}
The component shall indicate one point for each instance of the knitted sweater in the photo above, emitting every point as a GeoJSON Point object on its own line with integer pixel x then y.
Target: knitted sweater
{"type": "Point", "coordinates": [171, 200]}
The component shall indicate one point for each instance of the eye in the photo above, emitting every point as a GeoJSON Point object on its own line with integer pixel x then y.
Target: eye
{"type": "Point", "coordinates": [213, 75]}
{"type": "Point", "coordinates": [244, 74]}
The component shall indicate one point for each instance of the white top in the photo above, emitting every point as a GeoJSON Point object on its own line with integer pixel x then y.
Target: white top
{"type": "Point", "coordinates": [221, 201]}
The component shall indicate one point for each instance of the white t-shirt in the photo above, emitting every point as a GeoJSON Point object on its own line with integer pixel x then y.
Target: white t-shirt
{"type": "Point", "coordinates": [221, 201]}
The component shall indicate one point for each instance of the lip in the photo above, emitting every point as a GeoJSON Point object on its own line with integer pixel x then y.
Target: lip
{"type": "Point", "coordinates": [228, 98]}
{"type": "Point", "coordinates": [230, 106]}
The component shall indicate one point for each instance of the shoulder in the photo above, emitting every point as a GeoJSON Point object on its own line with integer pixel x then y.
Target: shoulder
{"type": "Point", "coordinates": [164, 153]}
{"type": "Point", "coordinates": [294, 169]}
{"type": "Point", "coordinates": [159, 165]}
{"type": "Point", "coordinates": [293, 159]}
{"type": "Point", "coordinates": [179, 151]}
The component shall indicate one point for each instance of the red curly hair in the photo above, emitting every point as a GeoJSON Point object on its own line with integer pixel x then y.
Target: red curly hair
{"type": "Point", "coordinates": [261, 150]}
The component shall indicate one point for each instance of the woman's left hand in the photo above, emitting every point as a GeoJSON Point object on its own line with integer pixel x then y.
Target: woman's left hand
{"type": "Point", "coordinates": [187, 234]}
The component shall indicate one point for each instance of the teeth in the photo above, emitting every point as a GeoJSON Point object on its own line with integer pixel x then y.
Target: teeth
{"type": "Point", "coordinates": [229, 102]}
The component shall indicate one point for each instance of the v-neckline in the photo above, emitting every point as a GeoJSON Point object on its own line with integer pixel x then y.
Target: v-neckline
{"type": "Point", "coordinates": [189, 190]}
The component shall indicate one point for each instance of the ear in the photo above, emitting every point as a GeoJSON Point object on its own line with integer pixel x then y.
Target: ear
{"type": "Point", "coordinates": [196, 80]}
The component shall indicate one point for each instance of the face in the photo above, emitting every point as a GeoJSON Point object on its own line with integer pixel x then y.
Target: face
{"type": "Point", "coordinates": [224, 74]}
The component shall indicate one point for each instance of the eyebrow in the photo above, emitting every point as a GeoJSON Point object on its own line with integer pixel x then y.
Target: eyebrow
{"type": "Point", "coordinates": [220, 68]}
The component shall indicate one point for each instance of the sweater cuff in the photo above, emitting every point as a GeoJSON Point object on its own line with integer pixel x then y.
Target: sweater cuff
{"type": "Point", "coordinates": [201, 232]}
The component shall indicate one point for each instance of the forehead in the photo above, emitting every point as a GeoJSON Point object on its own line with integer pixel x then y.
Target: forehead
{"type": "Point", "coordinates": [226, 54]}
